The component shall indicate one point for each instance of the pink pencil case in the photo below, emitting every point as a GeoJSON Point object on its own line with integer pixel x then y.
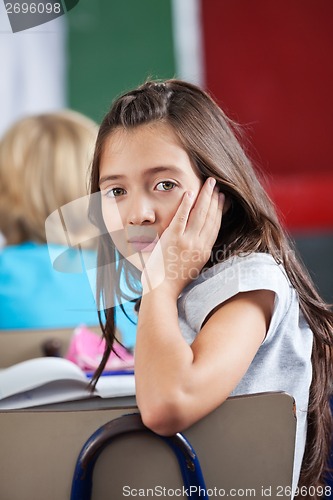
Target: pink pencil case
{"type": "Point", "coordinates": [86, 349]}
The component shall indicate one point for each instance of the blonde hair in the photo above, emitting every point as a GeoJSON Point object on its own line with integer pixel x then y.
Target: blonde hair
{"type": "Point", "coordinates": [44, 162]}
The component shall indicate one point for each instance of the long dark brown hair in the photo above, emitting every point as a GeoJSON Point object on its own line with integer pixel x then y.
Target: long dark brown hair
{"type": "Point", "coordinates": [250, 225]}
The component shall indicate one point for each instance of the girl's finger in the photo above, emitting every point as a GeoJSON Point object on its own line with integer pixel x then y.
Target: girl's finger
{"type": "Point", "coordinates": [180, 219]}
{"type": "Point", "coordinates": [213, 220]}
{"type": "Point", "coordinates": [198, 216]}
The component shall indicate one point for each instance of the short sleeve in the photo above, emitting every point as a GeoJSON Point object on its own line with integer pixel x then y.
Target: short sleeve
{"type": "Point", "coordinates": [238, 274]}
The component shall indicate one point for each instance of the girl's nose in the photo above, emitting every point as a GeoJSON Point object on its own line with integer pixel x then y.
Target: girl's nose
{"type": "Point", "coordinates": [141, 212]}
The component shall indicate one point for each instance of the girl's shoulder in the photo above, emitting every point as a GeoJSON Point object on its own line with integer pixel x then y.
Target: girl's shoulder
{"type": "Point", "coordinates": [242, 273]}
{"type": "Point", "coordinates": [245, 261]}
{"type": "Point", "coordinates": [244, 270]}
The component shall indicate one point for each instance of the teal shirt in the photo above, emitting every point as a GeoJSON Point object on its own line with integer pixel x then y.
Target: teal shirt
{"type": "Point", "coordinates": [34, 295]}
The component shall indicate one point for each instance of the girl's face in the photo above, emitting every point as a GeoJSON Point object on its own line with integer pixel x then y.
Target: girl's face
{"type": "Point", "coordinates": [144, 173]}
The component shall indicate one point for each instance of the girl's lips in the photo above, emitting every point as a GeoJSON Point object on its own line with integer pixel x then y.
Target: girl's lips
{"type": "Point", "coordinates": [143, 246]}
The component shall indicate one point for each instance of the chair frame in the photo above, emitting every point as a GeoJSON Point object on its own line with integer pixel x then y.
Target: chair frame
{"type": "Point", "coordinates": [104, 436]}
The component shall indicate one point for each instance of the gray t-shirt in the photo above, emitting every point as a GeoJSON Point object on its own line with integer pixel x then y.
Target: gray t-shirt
{"type": "Point", "coordinates": [283, 361]}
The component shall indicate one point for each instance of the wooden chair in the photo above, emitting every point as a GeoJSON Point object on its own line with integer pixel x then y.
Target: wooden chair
{"type": "Point", "coordinates": [245, 448]}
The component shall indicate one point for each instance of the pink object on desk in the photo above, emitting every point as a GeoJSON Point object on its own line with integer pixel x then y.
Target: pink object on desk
{"type": "Point", "coordinates": [86, 350]}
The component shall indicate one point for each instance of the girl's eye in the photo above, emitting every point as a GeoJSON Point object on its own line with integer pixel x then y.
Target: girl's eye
{"type": "Point", "coordinates": [115, 192]}
{"type": "Point", "coordinates": [165, 186]}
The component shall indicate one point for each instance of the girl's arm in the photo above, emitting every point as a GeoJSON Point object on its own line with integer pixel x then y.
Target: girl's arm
{"type": "Point", "coordinates": [177, 384]}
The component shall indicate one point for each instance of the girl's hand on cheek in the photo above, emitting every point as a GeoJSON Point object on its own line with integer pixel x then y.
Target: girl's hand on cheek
{"type": "Point", "coordinates": [185, 245]}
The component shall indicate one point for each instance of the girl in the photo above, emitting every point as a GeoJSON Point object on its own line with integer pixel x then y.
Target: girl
{"type": "Point", "coordinates": [226, 308]}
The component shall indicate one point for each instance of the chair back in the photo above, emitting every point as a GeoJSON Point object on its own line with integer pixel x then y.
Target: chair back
{"type": "Point", "coordinates": [245, 448]}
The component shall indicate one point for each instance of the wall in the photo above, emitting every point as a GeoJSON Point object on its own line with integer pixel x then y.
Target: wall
{"type": "Point", "coordinates": [269, 66]}
{"type": "Point", "coordinates": [114, 46]}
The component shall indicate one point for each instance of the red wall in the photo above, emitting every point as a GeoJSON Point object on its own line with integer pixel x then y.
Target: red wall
{"type": "Point", "coordinates": [270, 65]}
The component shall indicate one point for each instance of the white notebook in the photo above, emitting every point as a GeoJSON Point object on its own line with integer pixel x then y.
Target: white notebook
{"type": "Point", "coordinates": [49, 380]}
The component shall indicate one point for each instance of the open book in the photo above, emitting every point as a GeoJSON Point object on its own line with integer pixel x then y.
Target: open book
{"type": "Point", "coordinates": [49, 380]}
